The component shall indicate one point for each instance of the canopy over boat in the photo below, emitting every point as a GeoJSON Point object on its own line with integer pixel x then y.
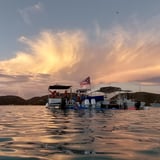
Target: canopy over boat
{"type": "Point", "coordinates": [109, 89]}
{"type": "Point", "coordinates": [59, 87]}
{"type": "Point", "coordinates": [82, 90]}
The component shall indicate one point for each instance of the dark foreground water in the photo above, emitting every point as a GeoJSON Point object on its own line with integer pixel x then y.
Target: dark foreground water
{"type": "Point", "coordinates": [37, 133]}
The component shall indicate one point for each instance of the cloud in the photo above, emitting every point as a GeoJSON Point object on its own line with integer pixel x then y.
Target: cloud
{"type": "Point", "coordinates": [27, 12]}
{"type": "Point", "coordinates": [45, 56]}
{"type": "Point", "coordinates": [48, 53]}
{"type": "Point", "coordinates": [121, 54]}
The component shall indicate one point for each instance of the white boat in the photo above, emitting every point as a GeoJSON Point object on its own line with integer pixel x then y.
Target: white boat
{"type": "Point", "coordinates": [58, 95]}
{"type": "Point", "coordinates": [61, 96]}
{"type": "Point", "coordinates": [90, 98]}
{"type": "Point", "coordinates": [119, 100]}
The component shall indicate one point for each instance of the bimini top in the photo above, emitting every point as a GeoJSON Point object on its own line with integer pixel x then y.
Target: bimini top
{"type": "Point", "coordinates": [59, 87]}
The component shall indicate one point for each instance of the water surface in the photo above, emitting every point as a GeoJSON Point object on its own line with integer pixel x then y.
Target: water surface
{"type": "Point", "coordinates": [37, 133]}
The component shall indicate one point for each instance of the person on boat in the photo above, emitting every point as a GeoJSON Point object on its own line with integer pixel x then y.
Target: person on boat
{"type": "Point", "coordinates": [65, 93]}
{"type": "Point", "coordinates": [63, 103]}
{"type": "Point", "coordinates": [66, 96]}
{"type": "Point", "coordinates": [125, 106]}
{"type": "Point", "coordinates": [78, 100]}
{"type": "Point", "coordinates": [103, 105]}
{"type": "Point", "coordinates": [53, 93]}
{"type": "Point", "coordinates": [138, 105]}
{"type": "Point", "coordinates": [57, 94]}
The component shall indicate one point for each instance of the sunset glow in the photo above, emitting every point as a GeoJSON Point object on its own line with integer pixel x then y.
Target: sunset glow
{"type": "Point", "coordinates": [121, 53]}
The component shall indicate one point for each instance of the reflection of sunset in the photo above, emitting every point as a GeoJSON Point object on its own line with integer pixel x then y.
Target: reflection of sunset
{"type": "Point", "coordinates": [53, 134]}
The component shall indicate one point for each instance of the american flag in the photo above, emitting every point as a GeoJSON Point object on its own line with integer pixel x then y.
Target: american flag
{"type": "Point", "coordinates": [86, 81]}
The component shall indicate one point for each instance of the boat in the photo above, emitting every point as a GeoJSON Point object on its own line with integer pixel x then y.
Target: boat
{"type": "Point", "coordinates": [89, 98]}
{"type": "Point", "coordinates": [58, 95]}
{"type": "Point", "coordinates": [61, 96]}
{"type": "Point", "coordinates": [117, 99]}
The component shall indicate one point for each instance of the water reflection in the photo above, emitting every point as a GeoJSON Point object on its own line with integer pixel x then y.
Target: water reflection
{"type": "Point", "coordinates": [34, 132]}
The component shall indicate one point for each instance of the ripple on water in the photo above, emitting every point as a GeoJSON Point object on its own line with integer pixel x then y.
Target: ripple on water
{"type": "Point", "coordinates": [34, 132]}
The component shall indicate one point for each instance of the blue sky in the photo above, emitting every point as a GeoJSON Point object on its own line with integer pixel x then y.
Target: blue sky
{"type": "Point", "coordinates": [21, 17]}
{"type": "Point", "coordinates": [49, 41]}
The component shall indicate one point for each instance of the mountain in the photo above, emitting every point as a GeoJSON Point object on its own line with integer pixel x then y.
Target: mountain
{"type": "Point", "coordinates": [37, 100]}
{"type": "Point", "coordinates": [10, 100]}
{"type": "Point", "coordinates": [142, 96]}
{"type": "Point", "coordinates": [15, 100]}
{"type": "Point", "coordinates": [145, 97]}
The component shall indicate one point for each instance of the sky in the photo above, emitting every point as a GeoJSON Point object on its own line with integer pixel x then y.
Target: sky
{"type": "Point", "coordinates": [46, 42]}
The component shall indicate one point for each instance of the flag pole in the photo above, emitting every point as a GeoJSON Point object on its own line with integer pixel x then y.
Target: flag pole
{"type": "Point", "coordinates": [90, 84]}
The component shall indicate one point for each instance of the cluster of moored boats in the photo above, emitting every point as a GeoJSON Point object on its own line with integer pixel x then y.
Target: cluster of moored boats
{"type": "Point", "coordinates": [61, 96]}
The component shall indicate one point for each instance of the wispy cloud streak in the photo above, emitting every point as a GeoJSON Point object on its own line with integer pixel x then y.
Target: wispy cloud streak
{"type": "Point", "coordinates": [27, 12]}
{"type": "Point", "coordinates": [118, 55]}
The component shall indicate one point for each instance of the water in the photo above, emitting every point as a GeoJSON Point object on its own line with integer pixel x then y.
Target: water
{"type": "Point", "coordinates": [37, 133]}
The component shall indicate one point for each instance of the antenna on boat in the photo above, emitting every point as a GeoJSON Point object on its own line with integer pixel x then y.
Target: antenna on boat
{"type": "Point", "coordinates": [140, 87]}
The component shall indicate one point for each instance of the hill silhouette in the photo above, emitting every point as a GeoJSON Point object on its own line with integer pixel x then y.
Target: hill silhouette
{"type": "Point", "coordinates": [10, 100]}
{"type": "Point", "coordinates": [146, 97]}
{"type": "Point", "coordinates": [15, 100]}
{"type": "Point", "coordinates": [42, 100]}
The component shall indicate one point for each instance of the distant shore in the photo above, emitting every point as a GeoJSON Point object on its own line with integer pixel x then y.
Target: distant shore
{"type": "Point", "coordinates": [146, 97]}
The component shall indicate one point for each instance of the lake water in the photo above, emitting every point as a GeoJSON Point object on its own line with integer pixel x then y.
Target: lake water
{"type": "Point", "coordinates": [37, 133]}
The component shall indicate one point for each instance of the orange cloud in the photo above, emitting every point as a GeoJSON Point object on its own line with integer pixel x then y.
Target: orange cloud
{"type": "Point", "coordinates": [48, 53]}
{"type": "Point", "coordinates": [117, 55]}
